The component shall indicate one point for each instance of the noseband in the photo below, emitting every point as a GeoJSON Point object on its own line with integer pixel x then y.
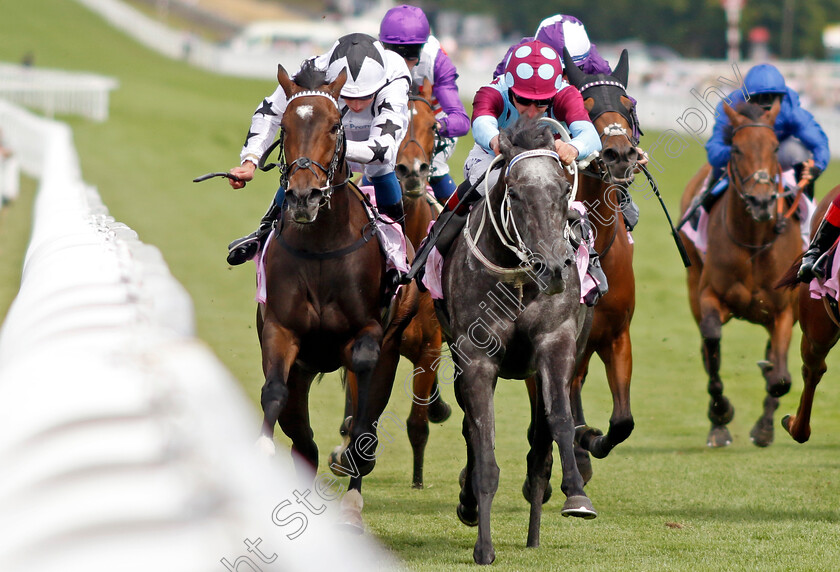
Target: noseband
{"type": "Point", "coordinates": [287, 170]}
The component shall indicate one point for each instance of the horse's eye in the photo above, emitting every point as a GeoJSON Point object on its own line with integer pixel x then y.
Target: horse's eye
{"type": "Point", "coordinates": [335, 128]}
{"type": "Point", "coordinates": [735, 150]}
{"type": "Point", "coordinates": [513, 194]}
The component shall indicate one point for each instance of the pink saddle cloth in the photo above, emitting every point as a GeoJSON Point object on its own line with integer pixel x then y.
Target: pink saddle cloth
{"type": "Point", "coordinates": [433, 277]}
{"type": "Point", "coordinates": [391, 241]}
{"type": "Point", "coordinates": [830, 286]}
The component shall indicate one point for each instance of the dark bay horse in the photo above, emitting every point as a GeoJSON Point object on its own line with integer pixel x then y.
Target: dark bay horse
{"type": "Point", "coordinates": [818, 319]}
{"type": "Point", "coordinates": [602, 187]}
{"type": "Point", "coordinates": [750, 245]}
{"type": "Point", "coordinates": [422, 338]}
{"type": "Point", "coordinates": [513, 310]}
{"type": "Point", "coordinates": [323, 301]}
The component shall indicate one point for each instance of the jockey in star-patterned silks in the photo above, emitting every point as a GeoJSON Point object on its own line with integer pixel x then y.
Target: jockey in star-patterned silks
{"type": "Point", "coordinates": [374, 112]}
{"type": "Point", "coordinates": [405, 30]}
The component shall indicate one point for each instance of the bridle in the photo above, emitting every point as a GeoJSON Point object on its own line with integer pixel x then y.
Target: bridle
{"type": "Point", "coordinates": [504, 224]}
{"type": "Point", "coordinates": [287, 170]}
{"type": "Point", "coordinates": [758, 177]}
{"type": "Point", "coordinates": [410, 138]}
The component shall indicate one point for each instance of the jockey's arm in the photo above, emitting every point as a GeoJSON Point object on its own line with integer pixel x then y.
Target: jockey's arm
{"type": "Point", "coordinates": [488, 105]}
{"type": "Point", "coordinates": [456, 123]}
{"type": "Point", "coordinates": [264, 125]}
{"type": "Point", "coordinates": [568, 107]}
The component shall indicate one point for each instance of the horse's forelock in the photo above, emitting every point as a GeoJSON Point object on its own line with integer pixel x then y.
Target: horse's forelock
{"type": "Point", "coordinates": [530, 134]}
{"type": "Point", "coordinates": [310, 77]}
{"type": "Point", "coordinates": [750, 110]}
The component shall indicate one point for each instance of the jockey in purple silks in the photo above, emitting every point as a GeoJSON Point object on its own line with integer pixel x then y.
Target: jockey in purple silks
{"type": "Point", "coordinates": [405, 30]}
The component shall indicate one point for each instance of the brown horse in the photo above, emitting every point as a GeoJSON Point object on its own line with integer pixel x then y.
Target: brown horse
{"type": "Point", "coordinates": [750, 245]}
{"type": "Point", "coordinates": [422, 338]}
{"type": "Point", "coordinates": [820, 332]}
{"type": "Point", "coordinates": [601, 189]}
{"type": "Point", "coordinates": [321, 312]}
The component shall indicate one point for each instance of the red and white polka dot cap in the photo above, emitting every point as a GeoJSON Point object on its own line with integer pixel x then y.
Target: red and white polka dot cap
{"type": "Point", "coordinates": [534, 71]}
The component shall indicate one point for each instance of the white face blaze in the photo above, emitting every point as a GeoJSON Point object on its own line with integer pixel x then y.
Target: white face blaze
{"type": "Point", "coordinates": [304, 111]}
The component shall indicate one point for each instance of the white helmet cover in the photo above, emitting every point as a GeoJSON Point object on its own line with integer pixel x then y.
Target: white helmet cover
{"type": "Point", "coordinates": [364, 59]}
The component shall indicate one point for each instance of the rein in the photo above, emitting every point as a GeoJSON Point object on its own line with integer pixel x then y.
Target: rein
{"type": "Point", "coordinates": [505, 229]}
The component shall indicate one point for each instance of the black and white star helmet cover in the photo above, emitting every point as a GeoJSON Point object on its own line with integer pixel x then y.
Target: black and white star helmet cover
{"type": "Point", "coordinates": [364, 59]}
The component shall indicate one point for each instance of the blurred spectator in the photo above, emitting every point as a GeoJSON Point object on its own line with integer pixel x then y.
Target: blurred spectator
{"type": "Point", "coordinates": [9, 174]}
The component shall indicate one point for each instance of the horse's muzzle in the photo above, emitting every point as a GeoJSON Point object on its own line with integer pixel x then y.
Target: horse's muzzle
{"type": "Point", "coordinates": [304, 205]}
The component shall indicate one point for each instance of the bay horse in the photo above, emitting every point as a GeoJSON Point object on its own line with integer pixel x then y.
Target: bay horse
{"type": "Point", "coordinates": [818, 319]}
{"type": "Point", "coordinates": [422, 339]}
{"type": "Point", "coordinates": [512, 310]}
{"type": "Point", "coordinates": [320, 311]}
{"type": "Point", "coordinates": [602, 188]}
{"type": "Point", "coordinates": [750, 245]}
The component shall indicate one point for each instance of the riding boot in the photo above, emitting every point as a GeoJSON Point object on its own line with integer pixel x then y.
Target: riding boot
{"type": "Point", "coordinates": [823, 240]}
{"type": "Point", "coordinates": [629, 209]}
{"type": "Point", "coordinates": [597, 273]}
{"type": "Point", "coordinates": [247, 247]}
{"type": "Point", "coordinates": [442, 234]}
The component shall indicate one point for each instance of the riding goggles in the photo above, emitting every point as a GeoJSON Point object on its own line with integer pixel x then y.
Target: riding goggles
{"type": "Point", "coordinates": [407, 51]}
{"type": "Point", "coordinates": [525, 102]}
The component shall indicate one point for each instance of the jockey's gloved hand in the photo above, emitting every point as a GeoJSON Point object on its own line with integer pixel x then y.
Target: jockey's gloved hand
{"type": "Point", "coordinates": [807, 171]}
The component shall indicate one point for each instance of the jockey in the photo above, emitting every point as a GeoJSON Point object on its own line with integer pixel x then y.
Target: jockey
{"type": "Point", "coordinates": [803, 146]}
{"type": "Point", "coordinates": [405, 30]}
{"type": "Point", "coordinates": [374, 112]}
{"type": "Point", "coordinates": [561, 31]}
{"type": "Point", "coordinates": [825, 237]}
{"type": "Point", "coordinates": [532, 86]}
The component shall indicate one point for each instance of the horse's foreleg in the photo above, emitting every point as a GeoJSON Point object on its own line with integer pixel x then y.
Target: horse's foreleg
{"type": "Point", "coordinates": [423, 384]}
{"type": "Point", "coordinates": [536, 416]}
{"type": "Point", "coordinates": [813, 368]}
{"type": "Point", "coordinates": [294, 421]}
{"type": "Point", "coordinates": [279, 350]}
{"type": "Point", "coordinates": [539, 465]}
{"type": "Point", "coordinates": [467, 504]}
{"type": "Point", "coordinates": [720, 409]}
{"type": "Point", "coordinates": [555, 366]}
{"type": "Point", "coordinates": [776, 375]}
{"type": "Point", "coordinates": [479, 428]}
{"type": "Point", "coordinates": [618, 360]}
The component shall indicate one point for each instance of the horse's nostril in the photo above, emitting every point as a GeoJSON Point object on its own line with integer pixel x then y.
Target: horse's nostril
{"type": "Point", "coordinates": [424, 169]}
{"type": "Point", "coordinates": [401, 170]}
{"type": "Point", "coordinates": [609, 155]}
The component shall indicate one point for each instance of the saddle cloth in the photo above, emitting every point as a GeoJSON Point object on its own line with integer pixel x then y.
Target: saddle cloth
{"type": "Point", "coordinates": [830, 286]}
{"type": "Point", "coordinates": [433, 278]}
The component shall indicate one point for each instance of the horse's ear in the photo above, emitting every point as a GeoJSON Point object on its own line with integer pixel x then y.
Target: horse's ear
{"type": "Point", "coordinates": [734, 116]}
{"type": "Point", "coordinates": [622, 70]}
{"type": "Point", "coordinates": [426, 90]}
{"type": "Point", "coordinates": [774, 111]}
{"type": "Point", "coordinates": [505, 146]}
{"type": "Point", "coordinates": [576, 77]}
{"type": "Point", "coordinates": [335, 87]}
{"type": "Point", "coordinates": [284, 80]}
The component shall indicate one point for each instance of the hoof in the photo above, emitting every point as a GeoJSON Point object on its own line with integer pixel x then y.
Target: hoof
{"type": "Point", "coordinates": [344, 430]}
{"type": "Point", "coordinates": [265, 445]}
{"type": "Point", "coordinates": [786, 423]}
{"type": "Point", "coordinates": [341, 467]}
{"type": "Point", "coordinates": [584, 435]}
{"type": "Point", "coordinates": [484, 557]}
{"type": "Point", "coordinates": [780, 388]}
{"type": "Point", "coordinates": [579, 506]}
{"type": "Point", "coordinates": [762, 433]}
{"type": "Point", "coordinates": [526, 491]}
{"type": "Point", "coordinates": [719, 437]}
{"type": "Point", "coordinates": [439, 410]}
{"type": "Point", "coordinates": [584, 464]}
{"type": "Point", "coordinates": [467, 516]}
{"type": "Point", "coordinates": [417, 485]}
{"type": "Point", "coordinates": [350, 520]}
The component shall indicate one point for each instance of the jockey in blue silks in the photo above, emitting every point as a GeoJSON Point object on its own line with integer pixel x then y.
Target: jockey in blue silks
{"type": "Point", "coordinates": [803, 144]}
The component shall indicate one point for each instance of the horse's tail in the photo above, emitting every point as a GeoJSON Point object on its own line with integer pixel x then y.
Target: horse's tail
{"type": "Point", "coordinates": [788, 279]}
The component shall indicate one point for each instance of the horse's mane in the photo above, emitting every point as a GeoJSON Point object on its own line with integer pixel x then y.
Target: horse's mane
{"type": "Point", "coordinates": [530, 134]}
{"type": "Point", "coordinates": [310, 77]}
{"type": "Point", "coordinates": [750, 110]}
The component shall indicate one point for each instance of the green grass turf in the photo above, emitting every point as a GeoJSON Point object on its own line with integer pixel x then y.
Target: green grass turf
{"type": "Point", "coordinates": [665, 501]}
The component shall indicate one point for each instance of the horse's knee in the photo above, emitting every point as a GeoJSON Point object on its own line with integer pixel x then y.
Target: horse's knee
{"type": "Point", "coordinates": [274, 393]}
{"type": "Point", "coordinates": [365, 354]}
{"type": "Point", "coordinates": [710, 326]}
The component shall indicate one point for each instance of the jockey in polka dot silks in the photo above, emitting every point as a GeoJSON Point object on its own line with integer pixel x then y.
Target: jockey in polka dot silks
{"type": "Point", "coordinates": [405, 30]}
{"type": "Point", "coordinates": [374, 111]}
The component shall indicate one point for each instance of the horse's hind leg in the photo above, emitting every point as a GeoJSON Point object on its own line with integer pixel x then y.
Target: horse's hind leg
{"type": "Point", "coordinates": [539, 468]}
{"type": "Point", "coordinates": [536, 416]}
{"type": "Point", "coordinates": [776, 375]}
{"type": "Point", "coordinates": [418, 419]}
{"type": "Point", "coordinates": [720, 409]}
{"type": "Point", "coordinates": [279, 350]}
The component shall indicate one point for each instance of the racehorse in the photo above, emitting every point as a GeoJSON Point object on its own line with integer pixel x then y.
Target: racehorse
{"type": "Point", "coordinates": [602, 189]}
{"type": "Point", "coordinates": [320, 312]}
{"type": "Point", "coordinates": [512, 310]}
{"type": "Point", "coordinates": [750, 245]}
{"type": "Point", "coordinates": [818, 319]}
{"type": "Point", "coordinates": [422, 338]}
